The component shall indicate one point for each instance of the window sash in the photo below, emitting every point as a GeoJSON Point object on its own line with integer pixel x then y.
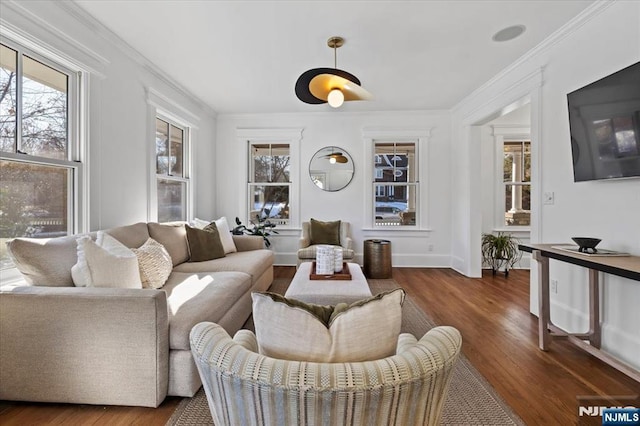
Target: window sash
{"type": "Point", "coordinates": [72, 102]}
{"type": "Point", "coordinates": [276, 212]}
{"type": "Point", "coordinates": [53, 76]}
{"type": "Point", "coordinates": [387, 156]}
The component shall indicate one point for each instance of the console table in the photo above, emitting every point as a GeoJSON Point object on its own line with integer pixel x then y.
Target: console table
{"type": "Point", "coordinates": [623, 266]}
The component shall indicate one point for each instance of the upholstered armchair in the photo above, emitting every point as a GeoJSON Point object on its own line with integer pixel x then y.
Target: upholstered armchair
{"type": "Point", "coordinates": [244, 387]}
{"type": "Point", "coordinates": [307, 248]}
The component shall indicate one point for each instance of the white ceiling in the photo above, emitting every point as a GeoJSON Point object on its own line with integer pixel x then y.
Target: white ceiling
{"type": "Point", "coordinates": [245, 56]}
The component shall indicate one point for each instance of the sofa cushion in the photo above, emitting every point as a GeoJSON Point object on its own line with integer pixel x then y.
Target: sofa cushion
{"type": "Point", "coordinates": [325, 232]}
{"type": "Point", "coordinates": [253, 262]}
{"type": "Point", "coordinates": [204, 244]}
{"type": "Point", "coordinates": [193, 298]}
{"type": "Point", "coordinates": [45, 261]}
{"type": "Point", "coordinates": [154, 263]}
{"type": "Point", "coordinates": [173, 237]}
{"type": "Point", "coordinates": [132, 236]}
{"type": "Point", "coordinates": [105, 262]}
{"type": "Point", "coordinates": [363, 331]}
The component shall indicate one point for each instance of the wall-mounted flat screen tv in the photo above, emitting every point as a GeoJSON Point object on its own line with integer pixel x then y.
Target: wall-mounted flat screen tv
{"type": "Point", "coordinates": [604, 121]}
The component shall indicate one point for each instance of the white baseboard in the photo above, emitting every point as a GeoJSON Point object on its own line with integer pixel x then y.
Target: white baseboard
{"type": "Point", "coordinates": [615, 341]}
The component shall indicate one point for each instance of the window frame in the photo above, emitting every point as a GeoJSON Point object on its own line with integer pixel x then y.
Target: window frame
{"type": "Point", "coordinates": [186, 164]}
{"type": "Point", "coordinates": [420, 137]}
{"type": "Point", "coordinates": [75, 160]}
{"type": "Point", "coordinates": [290, 136]}
{"type": "Point", "coordinates": [501, 135]}
{"type": "Point", "coordinates": [251, 183]}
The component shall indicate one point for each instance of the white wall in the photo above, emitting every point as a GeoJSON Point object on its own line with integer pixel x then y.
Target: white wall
{"type": "Point", "coordinates": [345, 130]}
{"type": "Point", "coordinates": [119, 130]}
{"type": "Point", "coordinates": [575, 56]}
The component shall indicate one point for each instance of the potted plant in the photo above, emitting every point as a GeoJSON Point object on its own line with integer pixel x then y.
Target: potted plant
{"type": "Point", "coordinates": [263, 228]}
{"type": "Point", "coordinates": [499, 250]}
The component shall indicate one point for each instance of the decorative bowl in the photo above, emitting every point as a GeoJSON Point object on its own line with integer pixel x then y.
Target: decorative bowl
{"type": "Point", "coordinates": [586, 244]}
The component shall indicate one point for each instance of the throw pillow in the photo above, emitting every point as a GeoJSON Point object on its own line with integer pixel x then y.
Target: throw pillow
{"type": "Point", "coordinates": [223, 230]}
{"type": "Point", "coordinates": [324, 232]}
{"type": "Point", "coordinates": [204, 245]}
{"type": "Point", "coordinates": [154, 263]}
{"type": "Point", "coordinates": [363, 331]}
{"type": "Point", "coordinates": [173, 237]}
{"type": "Point", "coordinates": [45, 261]}
{"type": "Point", "coordinates": [105, 262]}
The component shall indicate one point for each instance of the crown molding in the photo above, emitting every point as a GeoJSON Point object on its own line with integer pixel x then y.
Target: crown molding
{"type": "Point", "coordinates": [331, 114]}
{"type": "Point", "coordinates": [555, 38]}
{"type": "Point", "coordinates": [87, 20]}
{"type": "Point", "coordinates": [19, 35]}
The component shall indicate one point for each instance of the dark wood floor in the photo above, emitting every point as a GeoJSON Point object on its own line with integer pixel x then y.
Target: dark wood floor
{"type": "Point", "coordinates": [499, 338]}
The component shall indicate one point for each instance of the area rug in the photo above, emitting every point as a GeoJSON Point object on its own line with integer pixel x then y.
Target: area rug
{"type": "Point", "coordinates": [470, 401]}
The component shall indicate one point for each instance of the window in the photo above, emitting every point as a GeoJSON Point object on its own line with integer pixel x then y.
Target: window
{"type": "Point", "coordinates": [516, 178]}
{"type": "Point", "coordinates": [40, 168]}
{"type": "Point", "coordinates": [395, 186]}
{"type": "Point", "coordinates": [269, 182]}
{"type": "Point", "coordinates": [172, 170]}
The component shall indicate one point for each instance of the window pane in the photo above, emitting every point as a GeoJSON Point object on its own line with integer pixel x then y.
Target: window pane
{"type": "Point", "coordinates": [271, 163]}
{"type": "Point", "coordinates": [177, 138]}
{"type": "Point", "coordinates": [171, 200]}
{"type": "Point", "coordinates": [517, 205]}
{"type": "Point", "coordinates": [44, 110]}
{"type": "Point", "coordinates": [34, 202]}
{"type": "Point", "coordinates": [395, 162]}
{"type": "Point", "coordinates": [162, 151]}
{"type": "Point", "coordinates": [8, 65]}
{"type": "Point", "coordinates": [395, 205]}
{"type": "Point", "coordinates": [517, 162]}
{"type": "Point", "coordinates": [270, 202]}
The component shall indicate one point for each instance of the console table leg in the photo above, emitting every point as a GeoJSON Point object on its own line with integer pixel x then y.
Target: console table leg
{"type": "Point", "coordinates": [594, 309]}
{"type": "Point", "coordinates": [544, 302]}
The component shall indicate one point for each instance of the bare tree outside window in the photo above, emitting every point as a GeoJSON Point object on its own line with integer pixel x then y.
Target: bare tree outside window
{"type": "Point", "coordinates": [270, 183]}
{"type": "Point", "coordinates": [34, 195]}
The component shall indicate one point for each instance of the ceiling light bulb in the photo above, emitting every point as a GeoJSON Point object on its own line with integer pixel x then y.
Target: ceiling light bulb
{"type": "Point", "coordinates": [335, 98]}
{"type": "Point", "coordinates": [332, 160]}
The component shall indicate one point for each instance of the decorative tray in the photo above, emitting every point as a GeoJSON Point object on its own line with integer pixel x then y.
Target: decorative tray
{"type": "Point", "coordinates": [344, 275]}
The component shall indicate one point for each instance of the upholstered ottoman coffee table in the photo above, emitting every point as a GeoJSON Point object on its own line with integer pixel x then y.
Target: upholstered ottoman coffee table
{"type": "Point", "coordinates": [328, 292]}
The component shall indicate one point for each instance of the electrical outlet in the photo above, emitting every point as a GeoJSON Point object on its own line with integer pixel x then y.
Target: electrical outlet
{"type": "Point", "coordinates": [430, 247]}
{"type": "Point", "coordinates": [554, 286]}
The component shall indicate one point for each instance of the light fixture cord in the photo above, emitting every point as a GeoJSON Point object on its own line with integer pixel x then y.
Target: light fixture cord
{"type": "Point", "coordinates": [335, 56]}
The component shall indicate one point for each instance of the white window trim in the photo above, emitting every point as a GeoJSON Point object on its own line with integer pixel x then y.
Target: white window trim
{"type": "Point", "coordinates": [291, 136]}
{"type": "Point", "coordinates": [163, 107]}
{"type": "Point", "coordinates": [502, 134]}
{"type": "Point", "coordinates": [421, 139]}
{"type": "Point", "coordinates": [77, 112]}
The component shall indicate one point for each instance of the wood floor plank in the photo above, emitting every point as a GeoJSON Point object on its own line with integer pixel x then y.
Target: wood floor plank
{"type": "Point", "coordinates": [500, 338]}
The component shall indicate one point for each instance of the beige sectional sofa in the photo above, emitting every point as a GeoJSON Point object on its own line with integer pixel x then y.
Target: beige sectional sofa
{"type": "Point", "coordinates": [116, 346]}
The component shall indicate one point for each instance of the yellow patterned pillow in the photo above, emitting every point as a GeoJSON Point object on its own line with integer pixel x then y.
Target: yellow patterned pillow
{"type": "Point", "coordinates": [154, 262]}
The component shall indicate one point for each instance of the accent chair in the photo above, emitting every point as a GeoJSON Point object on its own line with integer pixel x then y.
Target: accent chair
{"type": "Point", "coordinates": [307, 248]}
{"type": "Point", "coordinates": [244, 387]}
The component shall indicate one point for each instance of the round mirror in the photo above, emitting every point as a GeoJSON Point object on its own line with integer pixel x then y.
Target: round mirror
{"type": "Point", "coordinates": [331, 168]}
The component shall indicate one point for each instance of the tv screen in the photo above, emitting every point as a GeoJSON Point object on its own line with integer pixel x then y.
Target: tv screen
{"type": "Point", "coordinates": [604, 121]}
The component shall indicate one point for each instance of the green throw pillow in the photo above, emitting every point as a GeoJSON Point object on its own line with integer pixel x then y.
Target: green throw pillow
{"type": "Point", "coordinates": [325, 232]}
{"type": "Point", "coordinates": [204, 244]}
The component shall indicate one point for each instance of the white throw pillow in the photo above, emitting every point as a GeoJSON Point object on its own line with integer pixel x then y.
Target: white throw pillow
{"type": "Point", "coordinates": [225, 235]}
{"type": "Point", "coordinates": [363, 331]}
{"type": "Point", "coordinates": [105, 263]}
{"type": "Point", "coordinates": [223, 229]}
{"type": "Point", "coordinates": [154, 262]}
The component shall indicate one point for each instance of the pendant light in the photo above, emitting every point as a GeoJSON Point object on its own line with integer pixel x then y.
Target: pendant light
{"type": "Point", "coordinates": [330, 85]}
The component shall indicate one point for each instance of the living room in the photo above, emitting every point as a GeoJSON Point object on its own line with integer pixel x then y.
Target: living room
{"type": "Point", "coordinates": [123, 92]}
